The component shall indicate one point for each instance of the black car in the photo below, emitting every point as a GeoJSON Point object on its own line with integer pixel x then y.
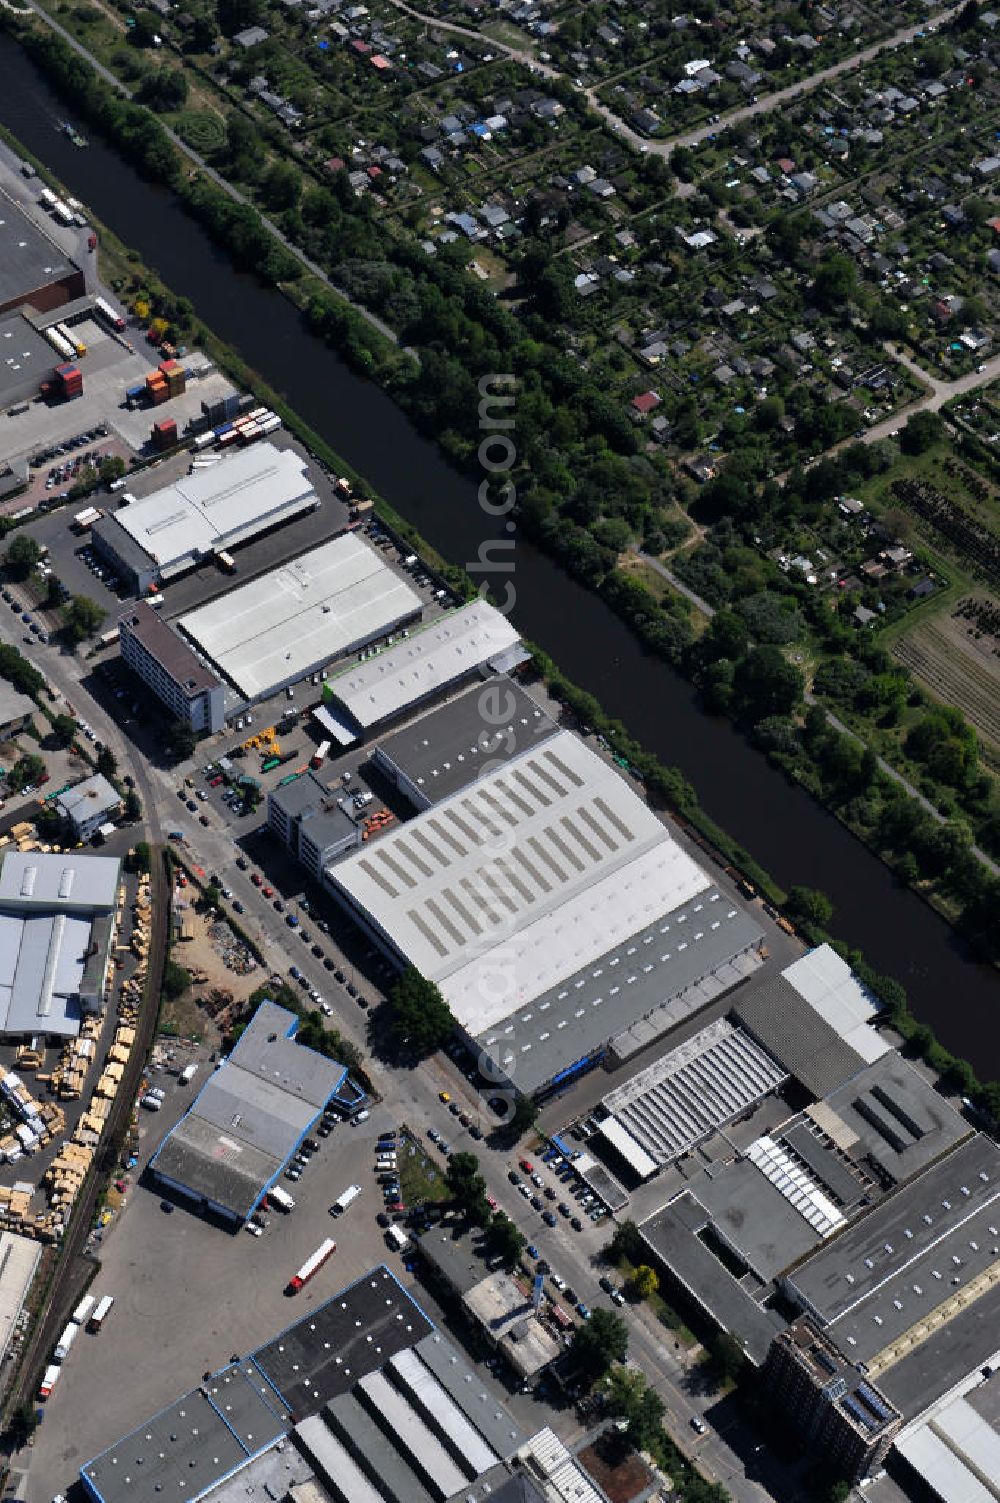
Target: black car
{"type": "Point", "coordinates": [564, 1209]}
{"type": "Point", "coordinates": [542, 1266]}
{"type": "Point", "coordinates": [548, 1218]}
{"type": "Point", "coordinates": [475, 1132]}
{"type": "Point", "coordinates": [515, 1178]}
{"type": "Point", "coordinates": [340, 977]}
{"type": "Point", "coordinates": [324, 1130]}
{"type": "Point", "coordinates": [537, 1202]}
{"type": "Point", "coordinates": [328, 963]}
{"type": "Point", "coordinates": [318, 951]}
{"type": "Point", "coordinates": [383, 1219]}
{"type": "Point", "coordinates": [241, 862]}
{"type": "Point", "coordinates": [606, 1284]}
{"type": "Point", "coordinates": [576, 1224]}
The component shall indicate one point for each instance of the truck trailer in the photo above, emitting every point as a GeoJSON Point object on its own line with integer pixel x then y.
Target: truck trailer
{"type": "Point", "coordinates": [312, 1265]}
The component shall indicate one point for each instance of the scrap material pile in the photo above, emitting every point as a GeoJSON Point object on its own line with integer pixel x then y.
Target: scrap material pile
{"type": "Point", "coordinates": [233, 951]}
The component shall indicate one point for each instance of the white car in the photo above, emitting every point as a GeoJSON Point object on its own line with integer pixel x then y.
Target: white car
{"type": "Point", "coordinates": [326, 1008]}
{"type": "Point", "coordinates": [560, 1283]}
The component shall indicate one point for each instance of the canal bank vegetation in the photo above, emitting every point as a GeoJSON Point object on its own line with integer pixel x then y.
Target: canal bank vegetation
{"type": "Point", "coordinates": [586, 490]}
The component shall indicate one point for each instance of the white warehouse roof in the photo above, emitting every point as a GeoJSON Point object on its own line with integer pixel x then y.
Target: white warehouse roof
{"type": "Point", "coordinates": [282, 626]}
{"type": "Point", "coordinates": [504, 889]}
{"type": "Point", "coordinates": [424, 664]}
{"type": "Point", "coordinates": [217, 508]}
{"type": "Point", "coordinates": [833, 991]}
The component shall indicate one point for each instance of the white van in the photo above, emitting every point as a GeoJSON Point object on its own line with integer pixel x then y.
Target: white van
{"type": "Point", "coordinates": [348, 1197]}
{"type": "Point", "coordinates": [397, 1238]}
{"type": "Point", "coordinates": [280, 1198]}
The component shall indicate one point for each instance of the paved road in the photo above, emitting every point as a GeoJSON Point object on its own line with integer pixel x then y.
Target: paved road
{"type": "Point", "coordinates": [219, 181]}
{"type": "Point", "coordinates": [937, 391]}
{"type": "Point", "coordinates": [412, 1096]}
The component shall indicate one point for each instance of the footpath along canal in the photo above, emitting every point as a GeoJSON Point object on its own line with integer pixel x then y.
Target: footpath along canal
{"type": "Point", "coordinates": [786, 831]}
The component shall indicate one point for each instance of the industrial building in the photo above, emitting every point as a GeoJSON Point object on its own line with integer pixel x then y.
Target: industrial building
{"type": "Point", "coordinates": [169, 667]}
{"type": "Point", "coordinates": [88, 805]}
{"type": "Point", "coordinates": [521, 897]}
{"type": "Point", "coordinates": [455, 744]}
{"type": "Point", "coordinates": [16, 709]}
{"type": "Point", "coordinates": [250, 1117]}
{"type": "Point", "coordinates": [153, 540]}
{"type": "Point", "coordinates": [686, 1095]}
{"type": "Point", "coordinates": [362, 1400]}
{"type": "Point", "coordinates": [292, 621]}
{"type": "Point", "coordinates": [829, 1401]}
{"type": "Point", "coordinates": [314, 822]}
{"type": "Point", "coordinates": [26, 359]}
{"type": "Point", "coordinates": [33, 269]}
{"type": "Point", "coordinates": [953, 1451]}
{"type": "Point", "coordinates": [57, 925]}
{"type": "Point", "coordinates": [473, 640]}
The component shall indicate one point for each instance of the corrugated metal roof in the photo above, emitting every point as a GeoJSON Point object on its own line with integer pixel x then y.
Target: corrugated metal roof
{"type": "Point", "coordinates": [442, 653]}
{"type": "Point", "coordinates": [334, 1463]}
{"type": "Point", "coordinates": [411, 1435]}
{"type": "Point", "coordinates": [332, 600]}
{"type": "Point", "coordinates": [429, 1397]}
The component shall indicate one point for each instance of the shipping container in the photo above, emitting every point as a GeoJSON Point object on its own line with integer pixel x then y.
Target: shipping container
{"type": "Point", "coordinates": [108, 313]}
{"type": "Point", "coordinates": [312, 1265]}
{"type": "Point", "coordinates": [100, 1315]}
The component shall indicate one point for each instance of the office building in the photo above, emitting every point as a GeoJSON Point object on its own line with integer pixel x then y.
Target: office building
{"type": "Point", "coordinates": [88, 805]}
{"type": "Point", "coordinates": [823, 1397]}
{"type": "Point", "coordinates": [314, 822]}
{"type": "Point", "coordinates": [169, 667]}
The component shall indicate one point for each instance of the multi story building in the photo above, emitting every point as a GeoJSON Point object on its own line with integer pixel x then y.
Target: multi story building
{"type": "Point", "coordinates": [155, 652]}
{"type": "Point", "coordinates": [88, 805]}
{"type": "Point", "coordinates": [829, 1401]}
{"type": "Point", "coordinates": [313, 822]}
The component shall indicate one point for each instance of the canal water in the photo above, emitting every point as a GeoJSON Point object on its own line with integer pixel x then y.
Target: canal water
{"type": "Point", "coordinates": [786, 831]}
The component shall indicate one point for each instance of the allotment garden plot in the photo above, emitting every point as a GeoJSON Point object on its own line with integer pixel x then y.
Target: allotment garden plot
{"type": "Point", "coordinates": [957, 658]}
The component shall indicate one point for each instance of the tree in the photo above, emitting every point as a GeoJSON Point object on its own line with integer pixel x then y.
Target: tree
{"type": "Point", "coordinates": [107, 762]}
{"type": "Point", "coordinates": [726, 1357]}
{"type": "Point", "coordinates": [213, 895]}
{"type": "Point", "coordinates": [766, 683]}
{"type": "Point", "coordinates": [139, 857]}
{"type": "Point", "coordinates": [181, 740]}
{"type": "Point", "coordinates": [922, 431]}
{"type": "Point", "coordinates": [599, 1342]}
{"type": "Point", "coordinates": [523, 1117]}
{"type": "Point", "coordinates": [26, 771]}
{"type": "Point", "coordinates": [804, 905]}
{"type": "Point", "coordinates": [504, 1241]}
{"type": "Point", "coordinates": [644, 1282]}
{"type": "Point", "coordinates": [22, 557]}
{"type": "Point", "coordinates": [133, 806]}
{"type": "Point", "coordinates": [175, 979]}
{"type": "Point", "coordinates": [63, 730]}
{"type": "Point", "coordinates": [629, 1397]}
{"type": "Point", "coordinates": [836, 281]}
{"type": "Point", "coordinates": [81, 619]}
{"type": "Point", "coordinates": [165, 89]}
{"type": "Point", "coordinates": [467, 1186]}
{"type": "Point", "coordinates": [626, 1245]}
{"type": "Point", "coordinates": [421, 1018]}
{"type": "Point", "coordinates": [280, 186]}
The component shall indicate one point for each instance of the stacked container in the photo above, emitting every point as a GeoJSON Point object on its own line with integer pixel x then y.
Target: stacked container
{"type": "Point", "coordinates": [164, 434]}
{"type": "Point", "coordinates": [70, 380]}
{"type": "Point", "coordinates": [174, 374]}
{"type": "Point", "coordinates": [156, 387]}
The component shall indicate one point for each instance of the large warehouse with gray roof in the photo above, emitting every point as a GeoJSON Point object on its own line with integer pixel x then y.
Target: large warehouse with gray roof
{"type": "Point", "coordinates": [551, 907]}
{"type": "Point", "coordinates": [249, 1118]}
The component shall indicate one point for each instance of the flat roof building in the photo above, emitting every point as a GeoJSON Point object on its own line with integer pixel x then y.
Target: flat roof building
{"type": "Point", "coordinates": [314, 822]}
{"type": "Point", "coordinates": [454, 745]}
{"type": "Point", "coordinates": [169, 667]}
{"type": "Point", "coordinates": [56, 933]}
{"type": "Point", "coordinates": [88, 805]}
{"type": "Point", "coordinates": [175, 529]}
{"type": "Point", "coordinates": [32, 267]}
{"type": "Point", "coordinates": [26, 359]}
{"type": "Point", "coordinates": [16, 709]}
{"type": "Point", "coordinates": [443, 653]}
{"type": "Point", "coordinates": [817, 1018]}
{"type": "Point", "coordinates": [533, 886]}
{"type": "Point", "coordinates": [290, 622]}
{"type": "Point", "coordinates": [249, 1118]}
{"type": "Point", "coordinates": [828, 1401]}
{"type": "Point", "coordinates": [953, 1451]}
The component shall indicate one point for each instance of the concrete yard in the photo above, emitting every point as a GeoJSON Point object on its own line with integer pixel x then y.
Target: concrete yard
{"type": "Point", "coordinates": [166, 1327]}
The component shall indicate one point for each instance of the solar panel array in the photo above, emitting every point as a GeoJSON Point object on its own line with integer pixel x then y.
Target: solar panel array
{"type": "Point", "coordinates": [686, 1095]}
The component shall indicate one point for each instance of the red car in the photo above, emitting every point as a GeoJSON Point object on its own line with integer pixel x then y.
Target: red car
{"type": "Point", "coordinates": [214, 782]}
{"type": "Point", "coordinates": [527, 1166]}
{"type": "Point", "coordinates": [397, 1205]}
{"type": "Point", "coordinates": [269, 892]}
{"type": "Point", "coordinates": [256, 879]}
{"type": "Point", "coordinates": [493, 1205]}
